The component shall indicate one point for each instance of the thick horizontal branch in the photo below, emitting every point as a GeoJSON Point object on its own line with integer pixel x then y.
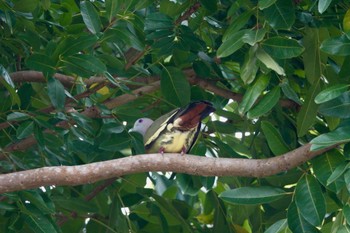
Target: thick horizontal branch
{"type": "Point", "coordinates": [189, 164]}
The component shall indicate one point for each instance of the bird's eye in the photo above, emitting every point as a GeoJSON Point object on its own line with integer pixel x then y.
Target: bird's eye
{"type": "Point", "coordinates": [140, 121]}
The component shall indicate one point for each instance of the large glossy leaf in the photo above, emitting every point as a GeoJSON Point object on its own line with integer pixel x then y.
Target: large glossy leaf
{"type": "Point", "coordinates": [231, 44]}
{"type": "Point", "coordinates": [312, 58]}
{"type": "Point", "coordinates": [265, 3]}
{"type": "Point", "coordinates": [41, 62]}
{"type": "Point", "coordinates": [269, 62]}
{"type": "Point", "coordinates": [338, 172]}
{"type": "Point", "coordinates": [25, 129]}
{"type": "Point", "coordinates": [338, 107]}
{"type": "Point", "coordinates": [340, 135]}
{"type": "Point", "coordinates": [6, 76]}
{"type": "Point", "coordinates": [278, 227]}
{"type": "Point", "coordinates": [250, 66]}
{"type": "Point", "coordinates": [282, 48]}
{"type": "Point", "coordinates": [90, 17]}
{"type": "Point", "coordinates": [331, 93]}
{"type": "Point", "coordinates": [297, 223]}
{"type": "Point", "coordinates": [84, 65]}
{"type": "Point", "coordinates": [323, 5]}
{"type": "Point", "coordinates": [252, 37]}
{"type": "Point", "coordinates": [175, 87]}
{"type": "Point", "coordinates": [252, 195]}
{"type": "Point", "coordinates": [158, 21]}
{"type": "Point", "coordinates": [337, 46]}
{"type": "Point", "coordinates": [324, 167]}
{"type": "Point", "coordinates": [72, 45]}
{"type": "Point", "coordinates": [310, 200]}
{"type": "Point", "coordinates": [56, 93]}
{"type": "Point", "coordinates": [265, 104]}
{"type": "Point", "coordinates": [253, 93]}
{"type": "Point", "coordinates": [307, 114]}
{"type": "Point", "coordinates": [7, 82]}
{"type": "Point", "coordinates": [280, 15]}
{"type": "Point", "coordinates": [40, 223]}
{"type": "Point", "coordinates": [289, 92]}
{"type": "Point", "coordinates": [274, 138]}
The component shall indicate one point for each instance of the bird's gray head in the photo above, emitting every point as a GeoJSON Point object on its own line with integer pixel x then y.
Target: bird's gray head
{"type": "Point", "coordinates": [141, 125]}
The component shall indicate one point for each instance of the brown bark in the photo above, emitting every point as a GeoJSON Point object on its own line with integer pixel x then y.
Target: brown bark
{"type": "Point", "coordinates": [189, 164]}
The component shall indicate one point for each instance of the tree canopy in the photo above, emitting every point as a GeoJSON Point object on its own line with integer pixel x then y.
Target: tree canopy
{"type": "Point", "coordinates": [75, 75]}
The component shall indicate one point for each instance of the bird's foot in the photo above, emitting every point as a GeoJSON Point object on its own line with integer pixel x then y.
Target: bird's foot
{"type": "Point", "coordinates": [183, 151]}
{"type": "Point", "coordinates": [161, 150]}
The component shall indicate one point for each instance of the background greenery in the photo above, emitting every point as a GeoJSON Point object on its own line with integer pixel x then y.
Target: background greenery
{"type": "Point", "coordinates": [281, 74]}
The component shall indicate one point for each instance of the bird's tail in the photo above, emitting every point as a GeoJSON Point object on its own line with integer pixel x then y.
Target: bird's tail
{"type": "Point", "coordinates": [191, 116]}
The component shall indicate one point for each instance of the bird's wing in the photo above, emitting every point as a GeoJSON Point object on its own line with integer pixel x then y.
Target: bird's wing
{"type": "Point", "coordinates": [157, 127]}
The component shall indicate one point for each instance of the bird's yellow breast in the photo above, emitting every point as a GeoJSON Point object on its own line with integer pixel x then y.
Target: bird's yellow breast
{"type": "Point", "coordinates": [173, 141]}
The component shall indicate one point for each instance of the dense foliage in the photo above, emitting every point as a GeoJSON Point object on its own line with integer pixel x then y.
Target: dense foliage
{"type": "Point", "coordinates": [277, 72]}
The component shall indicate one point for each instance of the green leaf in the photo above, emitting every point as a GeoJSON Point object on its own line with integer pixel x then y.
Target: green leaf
{"type": "Point", "coordinates": [37, 200]}
{"type": "Point", "coordinates": [346, 180]}
{"type": "Point", "coordinates": [339, 171]}
{"type": "Point", "coordinates": [250, 66]}
{"type": "Point", "coordinates": [209, 5]}
{"type": "Point", "coordinates": [56, 93]}
{"type": "Point", "coordinates": [240, 22]}
{"type": "Point", "coordinates": [158, 21]}
{"type": "Point", "coordinates": [278, 227]}
{"type": "Point", "coordinates": [274, 138]}
{"type": "Point", "coordinates": [323, 5]}
{"type": "Point", "coordinates": [75, 204]}
{"type": "Point", "coordinates": [265, 3]}
{"type": "Point", "coordinates": [41, 62]}
{"type": "Point", "coordinates": [307, 114]}
{"type": "Point", "coordinates": [346, 213]}
{"type": "Point", "coordinates": [40, 223]}
{"type": "Point", "coordinates": [331, 93]}
{"type": "Point", "coordinates": [310, 200]}
{"type": "Point", "coordinates": [6, 76]}
{"type": "Point", "coordinates": [25, 5]}
{"type": "Point", "coordinates": [289, 92]}
{"type": "Point", "coordinates": [252, 195]}
{"type": "Point", "coordinates": [17, 116]}
{"type": "Point", "coordinates": [71, 45]}
{"type": "Point", "coordinates": [338, 107]}
{"type": "Point", "coordinates": [221, 127]}
{"type": "Point", "coordinates": [253, 93]}
{"type": "Point", "coordinates": [84, 65]}
{"type": "Point", "coordinates": [265, 104]}
{"type": "Point", "coordinates": [231, 44]}
{"type": "Point", "coordinates": [90, 17]}
{"type": "Point", "coordinates": [25, 129]}
{"type": "Point", "coordinates": [7, 82]}
{"type": "Point", "coordinates": [174, 86]}
{"type": "Point", "coordinates": [112, 8]}
{"type": "Point", "coordinates": [336, 46]}
{"type": "Point", "coordinates": [252, 37]}
{"type": "Point", "coordinates": [269, 62]}
{"type": "Point", "coordinates": [312, 57]}
{"type": "Point", "coordinates": [280, 15]}
{"type": "Point", "coordinates": [340, 135]}
{"type": "Point", "coordinates": [116, 143]}
{"type": "Point", "coordinates": [282, 48]}
{"type": "Point", "coordinates": [323, 167]}
{"type": "Point", "coordinates": [297, 223]}
{"type": "Point", "coordinates": [188, 184]}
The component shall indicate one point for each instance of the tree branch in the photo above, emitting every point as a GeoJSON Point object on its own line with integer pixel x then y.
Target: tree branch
{"type": "Point", "coordinates": [189, 164]}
